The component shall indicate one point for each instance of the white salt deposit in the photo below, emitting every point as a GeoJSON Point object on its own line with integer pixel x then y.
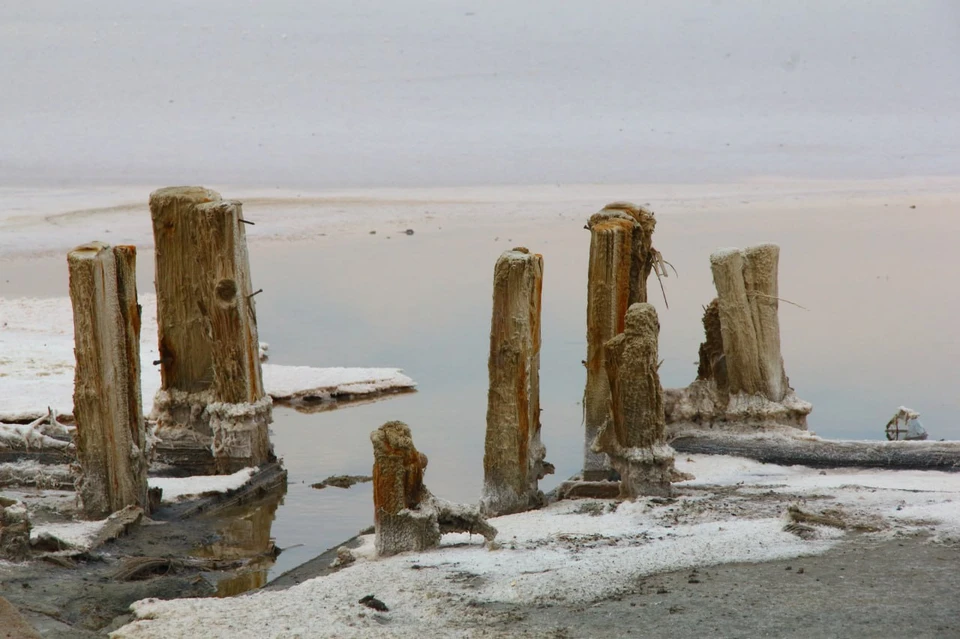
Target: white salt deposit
{"type": "Point", "coordinates": [573, 552]}
{"type": "Point", "coordinates": [37, 360]}
{"type": "Point", "coordinates": [75, 535]}
{"type": "Point", "coordinates": [180, 488]}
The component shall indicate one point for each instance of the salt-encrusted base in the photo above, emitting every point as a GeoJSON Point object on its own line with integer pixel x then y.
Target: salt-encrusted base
{"type": "Point", "coordinates": [236, 435]}
{"type": "Point", "coordinates": [702, 405]}
{"type": "Point", "coordinates": [647, 471]}
{"type": "Point", "coordinates": [421, 528]}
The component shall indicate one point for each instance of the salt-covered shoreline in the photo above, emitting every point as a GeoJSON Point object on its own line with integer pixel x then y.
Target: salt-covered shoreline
{"type": "Point", "coordinates": [579, 552]}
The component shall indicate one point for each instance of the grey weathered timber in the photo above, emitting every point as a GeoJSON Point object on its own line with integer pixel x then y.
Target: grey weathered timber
{"type": "Point", "coordinates": [513, 460]}
{"type": "Point", "coordinates": [406, 515]}
{"type": "Point", "coordinates": [747, 293]}
{"type": "Point", "coordinates": [741, 382]}
{"type": "Point", "coordinates": [212, 391]}
{"type": "Point", "coordinates": [823, 453]}
{"type": "Point", "coordinates": [110, 437]}
{"type": "Point", "coordinates": [621, 258]}
{"type": "Point", "coordinates": [634, 438]}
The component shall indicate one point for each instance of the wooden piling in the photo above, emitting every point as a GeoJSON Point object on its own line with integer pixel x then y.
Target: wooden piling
{"type": "Point", "coordinates": [513, 460]}
{"type": "Point", "coordinates": [110, 439]}
{"type": "Point", "coordinates": [760, 266]}
{"type": "Point", "coordinates": [747, 293]}
{"type": "Point", "coordinates": [212, 384]}
{"type": "Point", "coordinates": [621, 258]}
{"type": "Point", "coordinates": [634, 438]}
{"type": "Point", "coordinates": [736, 322]}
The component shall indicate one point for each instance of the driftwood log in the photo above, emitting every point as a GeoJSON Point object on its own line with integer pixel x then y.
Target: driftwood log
{"type": "Point", "coordinates": [211, 394]}
{"type": "Point", "coordinates": [621, 258]}
{"type": "Point", "coordinates": [789, 450]}
{"type": "Point", "coordinates": [406, 515]}
{"type": "Point", "coordinates": [513, 460]}
{"type": "Point", "coordinates": [110, 438]}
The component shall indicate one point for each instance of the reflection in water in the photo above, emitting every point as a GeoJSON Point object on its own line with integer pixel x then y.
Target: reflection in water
{"type": "Point", "coordinates": [245, 535]}
{"type": "Point", "coordinates": [309, 407]}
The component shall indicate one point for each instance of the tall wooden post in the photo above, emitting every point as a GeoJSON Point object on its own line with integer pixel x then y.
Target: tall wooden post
{"type": "Point", "coordinates": [111, 439]}
{"type": "Point", "coordinates": [747, 292]}
{"type": "Point", "coordinates": [513, 460]}
{"type": "Point", "coordinates": [635, 437]}
{"type": "Point", "coordinates": [212, 391]}
{"type": "Point", "coordinates": [620, 261]}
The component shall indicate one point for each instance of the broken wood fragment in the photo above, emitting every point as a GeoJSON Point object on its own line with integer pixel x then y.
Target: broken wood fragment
{"type": "Point", "coordinates": [621, 258]}
{"type": "Point", "coordinates": [110, 436]}
{"type": "Point", "coordinates": [634, 438]}
{"type": "Point", "coordinates": [513, 460]}
{"type": "Point", "coordinates": [406, 515]}
{"type": "Point", "coordinates": [211, 380]}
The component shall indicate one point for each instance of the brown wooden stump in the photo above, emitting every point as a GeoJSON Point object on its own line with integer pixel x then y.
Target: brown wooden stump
{"type": "Point", "coordinates": [621, 258]}
{"type": "Point", "coordinates": [406, 515]}
{"type": "Point", "coordinates": [110, 439]}
{"type": "Point", "coordinates": [634, 438]}
{"type": "Point", "coordinates": [513, 460]}
{"type": "Point", "coordinates": [212, 391]}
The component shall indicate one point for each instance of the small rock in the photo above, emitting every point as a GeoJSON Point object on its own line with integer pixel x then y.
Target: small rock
{"type": "Point", "coordinates": [799, 571]}
{"type": "Point", "coordinates": [409, 231]}
{"type": "Point", "coordinates": [344, 557]}
{"type": "Point", "coordinates": [373, 232]}
{"type": "Point", "coordinates": [372, 602]}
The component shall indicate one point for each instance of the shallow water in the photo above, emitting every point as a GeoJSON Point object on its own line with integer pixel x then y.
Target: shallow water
{"type": "Point", "coordinates": [877, 332]}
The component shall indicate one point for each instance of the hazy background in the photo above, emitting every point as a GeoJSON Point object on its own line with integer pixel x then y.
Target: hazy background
{"type": "Point", "coordinates": [420, 93]}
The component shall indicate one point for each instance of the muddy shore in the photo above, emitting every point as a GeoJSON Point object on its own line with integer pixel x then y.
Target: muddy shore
{"type": "Point", "coordinates": [861, 588]}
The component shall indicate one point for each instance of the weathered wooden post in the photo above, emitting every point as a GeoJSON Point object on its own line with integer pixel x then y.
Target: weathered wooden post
{"type": "Point", "coordinates": [212, 393]}
{"type": "Point", "coordinates": [747, 295]}
{"type": "Point", "coordinates": [621, 258]}
{"type": "Point", "coordinates": [741, 381]}
{"type": "Point", "coordinates": [634, 438]}
{"type": "Point", "coordinates": [111, 439]}
{"type": "Point", "coordinates": [406, 515]}
{"type": "Point", "coordinates": [513, 460]}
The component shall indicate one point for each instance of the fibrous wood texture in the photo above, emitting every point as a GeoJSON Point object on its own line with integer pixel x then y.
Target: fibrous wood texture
{"type": "Point", "coordinates": [513, 460]}
{"type": "Point", "coordinates": [621, 258]}
{"type": "Point", "coordinates": [747, 292]}
{"type": "Point", "coordinates": [406, 515]}
{"type": "Point", "coordinates": [209, 350]}
{"type": "Point", "coordinates": [741, 382]}
{"type": "Point", "coordinates": [634, 438]}
{"type": "Point", "coordinates": [110, 439]}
